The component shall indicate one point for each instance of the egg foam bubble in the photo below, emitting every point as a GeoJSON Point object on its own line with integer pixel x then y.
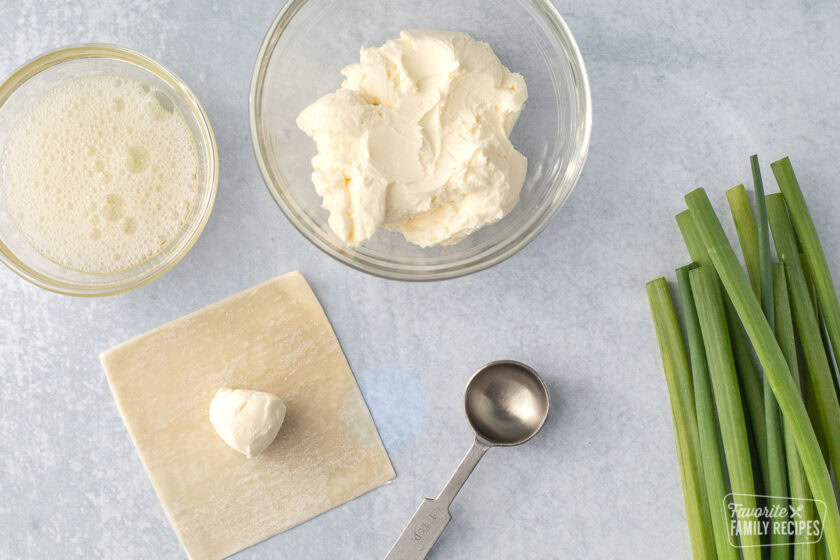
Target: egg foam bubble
{"type": "Point", "coordinates": [100, 173]}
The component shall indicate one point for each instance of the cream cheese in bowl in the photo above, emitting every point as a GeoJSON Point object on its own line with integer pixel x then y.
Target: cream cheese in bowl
{"type": "Point", "coordinates": [301, 59]}
{"type": "Point", "coordinates": [416, 140]}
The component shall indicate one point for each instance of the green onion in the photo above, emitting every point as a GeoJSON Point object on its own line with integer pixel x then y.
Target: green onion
{"type": "Point", "coordinates": [812, 404]}
{"type": "Point", "coordinates": [827, 345]}
{"type": "Point", "coordinates": [691, 236]}
{"type": "Point", "coordinates": [787, 341]}
{"type": "Point", "coordinates": [821, 550]}
{"type": "Point", "coordinates": [807, 233]}
{"type": "Point", "coordinates": [767, 437]}
{"type": "Point", "coordinates": [727, 396]}
{"type": "Point", "coordinates": [678, 378]}
{"type": "Point", "coordinates": [739, 205]}
{"type": "Point", "coordinates": [706, 422]}
{"type": "Point", "coordinates": [771, 357]}
{"type": "Point", "coordinates": [807, 386]}
{"type": "Point", "coordinates": [807, 325]}
{"type": "Point", "coordinates": [826, 339]}
{"type": "Point", "coordinates": [750, 381]}
{"type": "Point", "coordinates": [777, 482]}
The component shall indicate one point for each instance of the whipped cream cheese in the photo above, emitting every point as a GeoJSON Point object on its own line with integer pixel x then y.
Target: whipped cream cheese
{"type": "Point", "coordinates": [248, 421]}
{"type": "Point", "coordinates": [416, 140]}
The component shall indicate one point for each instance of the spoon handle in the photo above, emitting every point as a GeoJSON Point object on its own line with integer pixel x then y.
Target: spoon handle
{"type": "Point", "coordinates": [462, 473]}
{"type": "Point", "coordinates": [432, 517]}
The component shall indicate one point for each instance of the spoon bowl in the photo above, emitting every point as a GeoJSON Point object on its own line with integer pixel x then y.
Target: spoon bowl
{"type": "Point", "coordinates": [506, 403]}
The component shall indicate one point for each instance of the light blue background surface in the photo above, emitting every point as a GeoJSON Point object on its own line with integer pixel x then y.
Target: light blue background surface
{"type": "Point", "coordinates": [683, 93]}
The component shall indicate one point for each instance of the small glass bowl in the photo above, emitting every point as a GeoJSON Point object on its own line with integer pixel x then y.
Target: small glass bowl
{"type": "Point", "coordinates": [36, 77]}
{"type": "Point", "coordinates": [301, 58]}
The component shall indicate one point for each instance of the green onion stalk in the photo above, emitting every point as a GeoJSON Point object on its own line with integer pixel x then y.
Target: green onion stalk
{"type": "Point", "coordinates": [771, 356]}
{"type": "Point", "coordinates": [811, 246]}
{"type": "Point", "coordinates": [786, 337]}
{"type": "Point", "coordinates": [706, 421]}
{"type": "Point", "coordinates": [777, 487]}
{"type": "Point", "coordinates": [733, 429]}
{"type": "Point", "coordinates": [807, 324]}
{"type": "Point", "coordinates": [684, 416]}
{"type": "Point", "coordinates": [747, 373]}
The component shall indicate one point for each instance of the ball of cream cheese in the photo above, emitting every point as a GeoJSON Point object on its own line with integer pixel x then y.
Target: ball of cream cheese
{"type": "Point", "coordinates": [248, 421]}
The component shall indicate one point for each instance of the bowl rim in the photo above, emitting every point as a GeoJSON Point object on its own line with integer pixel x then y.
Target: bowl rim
{"type": "Point", "coordinates": [53, 57]}
{"type": "Point", "coordinates": [502, 251]}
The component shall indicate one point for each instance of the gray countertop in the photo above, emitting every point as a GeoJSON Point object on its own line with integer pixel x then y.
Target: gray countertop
{"type": "Point", "coordinates": [683, 93]}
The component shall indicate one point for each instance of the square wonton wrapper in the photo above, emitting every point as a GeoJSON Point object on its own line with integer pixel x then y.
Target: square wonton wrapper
{"type": "Point", "coordinates": [275, 338]}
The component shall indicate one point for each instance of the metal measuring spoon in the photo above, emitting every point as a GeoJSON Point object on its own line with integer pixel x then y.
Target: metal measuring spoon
{"type": "Point", "coordinates": [506, 404]}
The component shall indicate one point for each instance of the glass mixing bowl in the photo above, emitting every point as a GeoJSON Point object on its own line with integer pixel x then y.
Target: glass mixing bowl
{"type": "Point", "coordinates": [33, 79]}
{"type": "Point", "coordinates": [301, 58]}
